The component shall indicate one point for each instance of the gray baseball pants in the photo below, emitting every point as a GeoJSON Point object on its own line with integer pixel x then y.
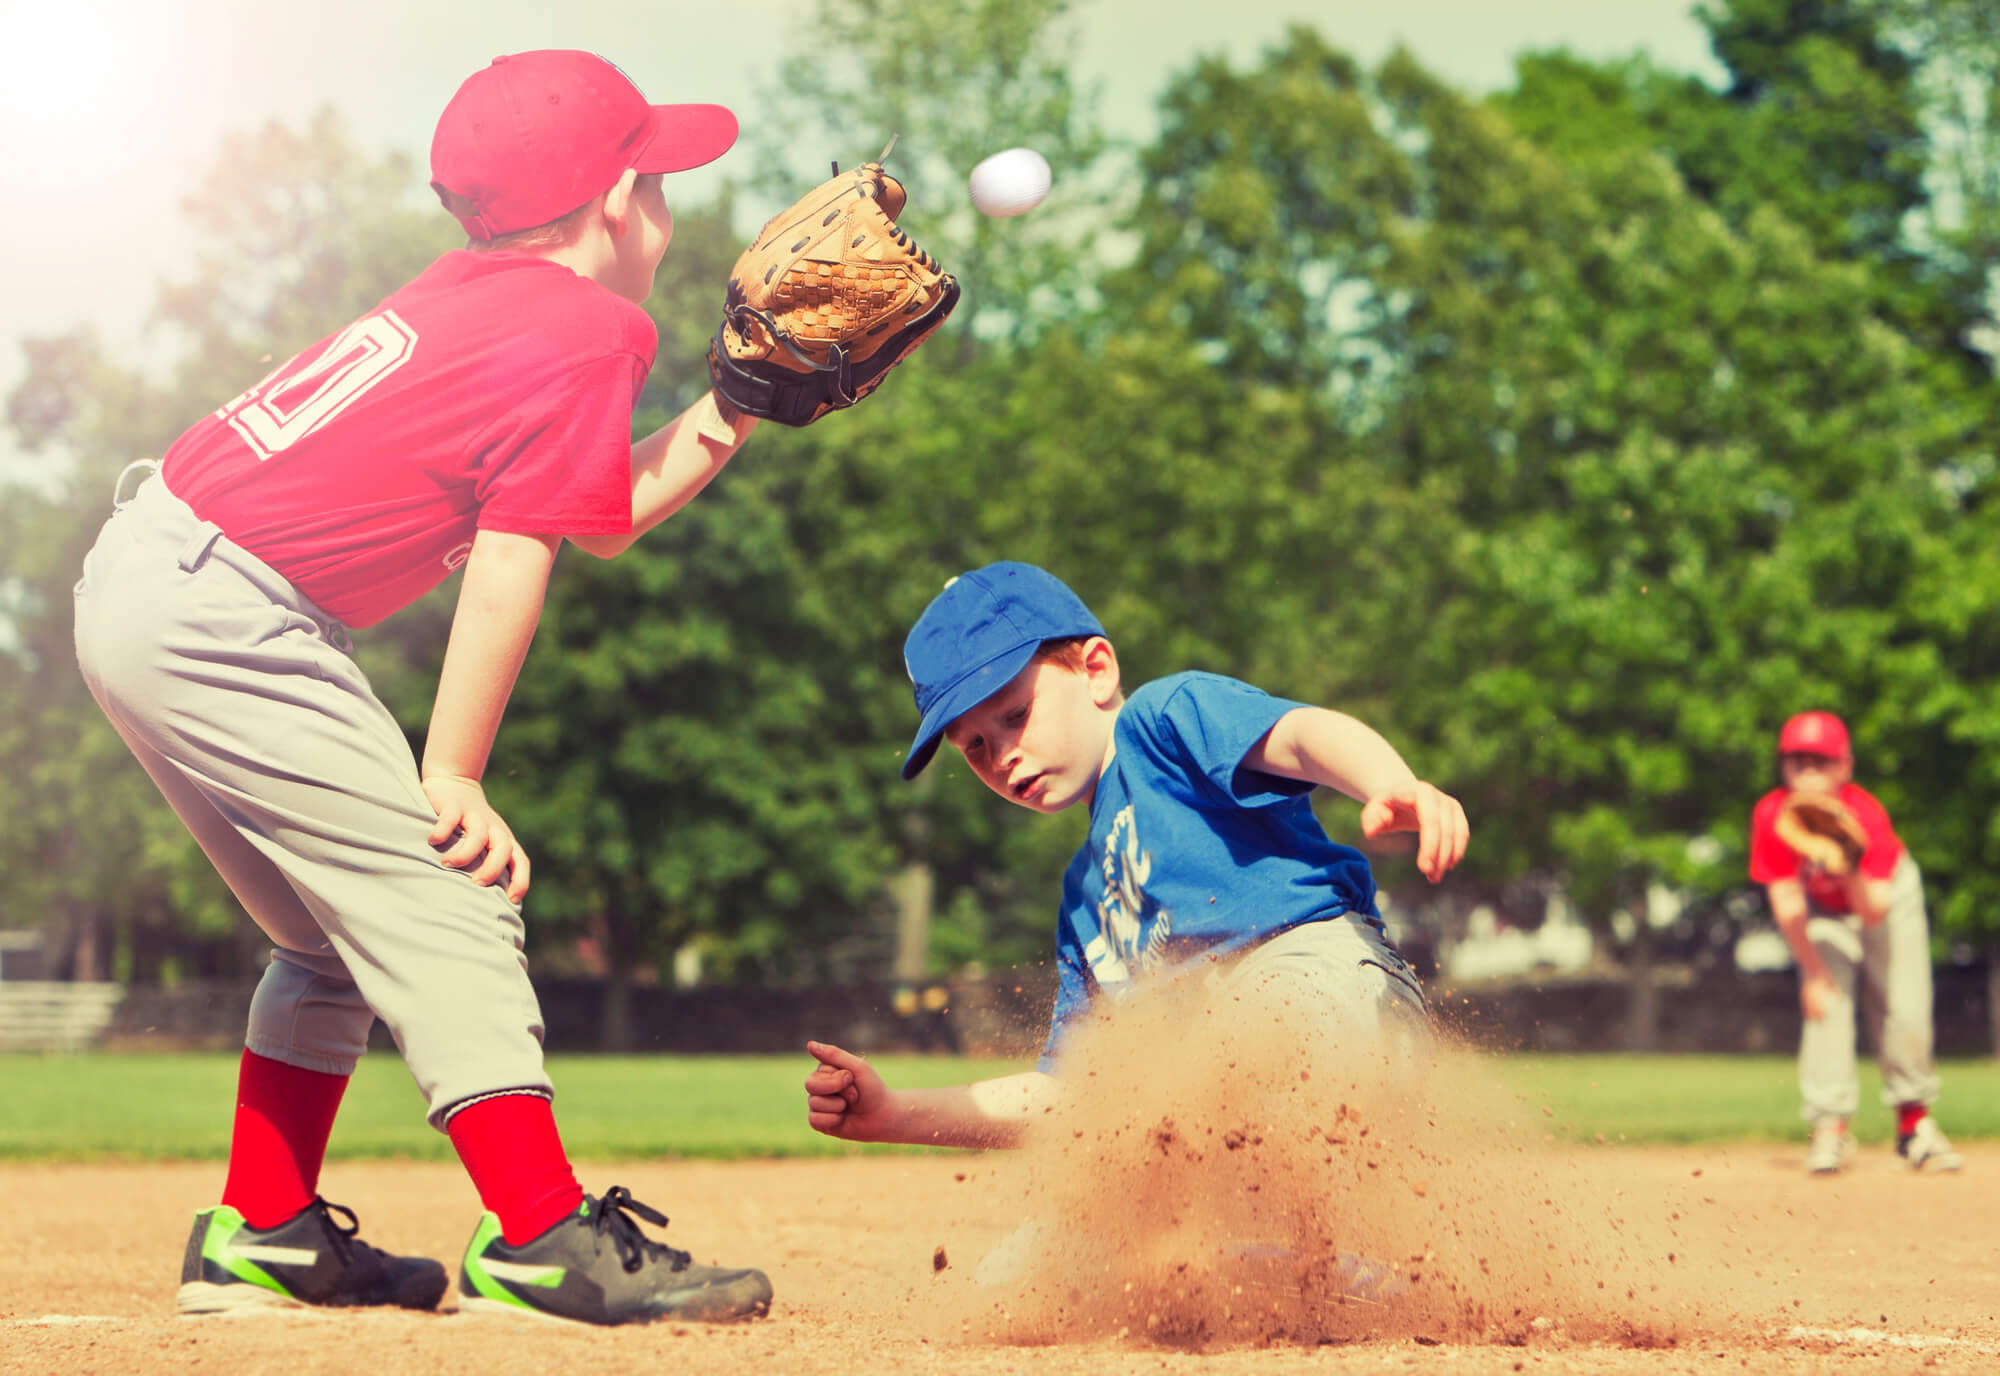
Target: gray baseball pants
{"type": "Point", "coordinates": [1356, 1006]}
{"type": "Point", "coordinates": [1891, 962]}
{"type": "Point", "coordinates": [236, 694]}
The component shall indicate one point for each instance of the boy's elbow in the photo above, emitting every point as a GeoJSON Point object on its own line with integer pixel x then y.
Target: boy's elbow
{"type": "Point", "coordinates": [602, 546]}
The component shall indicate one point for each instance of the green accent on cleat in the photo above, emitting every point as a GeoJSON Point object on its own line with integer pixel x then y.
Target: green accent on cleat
{"type": "Point", "coordinates": [224, 1226]}
{"type": "Point", "coordinates": [596, 1266]}
{"type": "Point", "coordinates": [314, 1258]}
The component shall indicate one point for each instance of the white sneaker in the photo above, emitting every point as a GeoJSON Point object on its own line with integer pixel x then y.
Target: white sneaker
{"type": "Point", "coordinates": [1272, 1266]}
{"type": "Point", "coordinates": [1831, 1147]}
{"type": "Point", "coordinates": [1014, 1255]}
{"type": "Point", "coordinates": [1928, 1149]}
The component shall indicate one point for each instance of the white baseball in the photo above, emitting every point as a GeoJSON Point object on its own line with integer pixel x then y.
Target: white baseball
{"type": "Point", "coordinates": [1009, 183]}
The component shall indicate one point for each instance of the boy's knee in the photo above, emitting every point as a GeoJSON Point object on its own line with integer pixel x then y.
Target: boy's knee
{"type": "Point", "coordinates": [308, 1012]}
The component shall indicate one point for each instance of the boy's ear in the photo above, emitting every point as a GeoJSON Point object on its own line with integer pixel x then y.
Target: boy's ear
{"type": "Point", "coordinates": [1100, 664]}
{"type": "Point", "coordinates": [618, 201]}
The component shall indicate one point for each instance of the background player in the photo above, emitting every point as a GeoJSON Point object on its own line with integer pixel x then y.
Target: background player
{"type": "Point", "coordinates": [1867, 924]}
{"type": "Point", "coordinates": [1203, 853]}
{"type": "Point", "coordinates": [480, 416]}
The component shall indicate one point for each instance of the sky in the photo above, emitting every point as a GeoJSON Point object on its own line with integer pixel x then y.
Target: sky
{"type": "Point", "coordinates": [111, 109]}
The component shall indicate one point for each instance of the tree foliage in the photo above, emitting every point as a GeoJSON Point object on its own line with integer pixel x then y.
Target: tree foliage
{"type": "Point", "coordinates": [304, 234]}
{"type": "Point", "coordinates": [950, 84]}
{"type": "Point", "coordinates": [1573, 436]}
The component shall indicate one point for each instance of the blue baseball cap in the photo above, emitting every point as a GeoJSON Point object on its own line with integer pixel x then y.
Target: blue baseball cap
{"type": "Point", "coordinates": [976, 635]}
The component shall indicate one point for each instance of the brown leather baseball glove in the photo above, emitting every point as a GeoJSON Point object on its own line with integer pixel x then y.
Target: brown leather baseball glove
{"type": "Point", "coordinates": [830, 297]}
{"type": "Point", "coordinates": [1822, 830]}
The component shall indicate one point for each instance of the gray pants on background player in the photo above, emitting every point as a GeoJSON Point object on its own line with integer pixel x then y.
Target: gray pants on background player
{"type": "Point", "coordinates": [235, 694]}
{"type": "Point", "coordinates": [1891, 962]}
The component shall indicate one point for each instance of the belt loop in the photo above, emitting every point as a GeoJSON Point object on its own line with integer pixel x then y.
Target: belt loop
{"type": "Point", "coordinates": [195, 553]}
{"type": "Point", "coordinates": [148, 467]}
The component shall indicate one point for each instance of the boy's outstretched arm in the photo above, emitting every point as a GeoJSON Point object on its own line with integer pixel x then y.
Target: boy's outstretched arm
{"type": "Point", "coordinates": [1321, 746]}
{"type": "Point", "coordinates": [845, 1098]}
{"type": "Point", "coordinates": [672, 465]}
{"type": "Point", "coordinates": [1790, 909]}
{"type": "Point", "coordinates": [499, 603]}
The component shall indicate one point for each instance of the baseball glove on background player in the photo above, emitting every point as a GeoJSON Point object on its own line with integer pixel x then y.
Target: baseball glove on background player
{"type": "Point", "coordinates": [1822, 831]}
{"type": "Point", "coordinates": [827, 300]}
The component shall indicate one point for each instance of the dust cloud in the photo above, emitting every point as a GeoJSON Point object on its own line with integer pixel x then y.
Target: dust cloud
{"type": "Point", "coordinates": [1230, 1168]}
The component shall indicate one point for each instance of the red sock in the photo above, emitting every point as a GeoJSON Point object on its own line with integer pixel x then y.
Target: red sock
{"type": "Point", "coordinates": [1907, 1118]}
{"type": "Point", "coordinates": [283, 1117]}
{"type": "Point", "coordinates": [515, 1157]}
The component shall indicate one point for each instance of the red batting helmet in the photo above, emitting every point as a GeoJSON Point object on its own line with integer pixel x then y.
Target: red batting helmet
{"type": "Point", "coordinates": [1815, 733]}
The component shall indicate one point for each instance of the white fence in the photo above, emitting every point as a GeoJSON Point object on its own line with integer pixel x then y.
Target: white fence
{"type": "Point", "coordinates": [55, 1015]}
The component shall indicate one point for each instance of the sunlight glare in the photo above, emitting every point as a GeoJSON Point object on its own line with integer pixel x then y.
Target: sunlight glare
{"type": "Point", "coordinates": [80, 85]}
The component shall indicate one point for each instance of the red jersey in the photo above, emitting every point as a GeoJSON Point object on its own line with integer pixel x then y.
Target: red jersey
{"type": "Point", "coordinates": [494, 392]}
{"type": "Point", "coordinates": [1772, 859]}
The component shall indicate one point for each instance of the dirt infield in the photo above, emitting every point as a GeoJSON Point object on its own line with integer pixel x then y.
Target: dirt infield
{"type": "Point", "coordinates": [1877, 1270]}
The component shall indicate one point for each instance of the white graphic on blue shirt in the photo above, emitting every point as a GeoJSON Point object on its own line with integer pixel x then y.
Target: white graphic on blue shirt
{"type": "Point", "coordinates": [1191, 856]}
{"type": "Point", "coordinates": [1132, 929]}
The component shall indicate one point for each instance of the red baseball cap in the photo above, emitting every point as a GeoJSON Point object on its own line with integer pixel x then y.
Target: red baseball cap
{"type": "Point", "coordinates": [534, 135]}
{"type": "Point", "coordinates": [1814, 733]}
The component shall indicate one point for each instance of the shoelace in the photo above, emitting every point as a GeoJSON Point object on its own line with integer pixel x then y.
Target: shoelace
{"type": "Point", "coordinates": [342, 1234]}
{"type": "Point", "coordinates": [635, 1249]}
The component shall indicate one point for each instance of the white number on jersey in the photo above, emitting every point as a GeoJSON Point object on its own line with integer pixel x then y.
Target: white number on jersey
{"type": "Point", "coordinates": [287, 406]}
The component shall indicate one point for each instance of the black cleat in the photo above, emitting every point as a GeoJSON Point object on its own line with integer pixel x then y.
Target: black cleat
{"type": "Point", "coordinates": [596, 1266]}
{"type": "Point", "coordinates": [309, 1259]}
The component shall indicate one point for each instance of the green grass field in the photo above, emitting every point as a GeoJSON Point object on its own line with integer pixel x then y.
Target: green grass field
{"type": "Point", "coordinates": [146, 1106]}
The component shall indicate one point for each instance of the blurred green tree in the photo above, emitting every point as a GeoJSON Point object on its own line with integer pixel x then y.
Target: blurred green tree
{"type": "Point", "coordinates": [1914, 660]}
{"type": "Point", "coordinates": [1956, 46]}
{"type": "Point", "coordinates": [770, 800]}
{"type": "Point", "coordinates": [1823, 119]}
{"type": "Point", "coordinates": [89, 854]}
{"type": "Point", "coordinates": [952, 83]}
{"type": "Point", "coordinates": [1676, 470]}
{"type": "Point", "coordinates": [301, 233]}
{"type": "Point", "coordinates": [1573, 437]}
{"type": "Point", "coordinates": [1820, 122]}
{"type": "Point", "coordinates": [684, 753]}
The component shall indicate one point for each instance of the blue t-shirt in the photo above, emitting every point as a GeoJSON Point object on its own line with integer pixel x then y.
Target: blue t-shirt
{"type": "Point", "coordinates": [1191, 856]}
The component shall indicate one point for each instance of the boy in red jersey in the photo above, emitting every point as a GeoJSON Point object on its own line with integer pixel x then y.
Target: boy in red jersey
{"type": "Point", "coordinates": [1866, 924]}
{"type": "Point", "coordinates": [477, 418]}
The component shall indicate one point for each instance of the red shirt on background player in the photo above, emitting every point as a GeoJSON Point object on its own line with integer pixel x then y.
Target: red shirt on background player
{"type": "Point", "coordinates": [1815, 756]}
{"type": "Point", "coordinates": [1866, 928]}
{"type": "Point", "coordinates": [1771, 859]}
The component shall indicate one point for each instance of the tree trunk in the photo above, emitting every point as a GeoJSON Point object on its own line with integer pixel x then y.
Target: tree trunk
{"type": "Point", "coordinates": [614, 1027]}
{"type": "Point", "coordinates": [86, 945]}
{"type": "Point", "coordinates": [913, 888]}
{"type": "Point", "coordinates": [1993, 999]}
{"type": "Point", "coordinates": [1642, 1010]}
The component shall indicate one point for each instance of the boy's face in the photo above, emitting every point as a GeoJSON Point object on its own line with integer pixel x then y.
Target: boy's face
{"type": "Point", "coordinates": [1805, 772]}
{"type": "Point", "coordinates": [650, 228]}
{"type": "Point", "coordinates": [1041, 740]}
